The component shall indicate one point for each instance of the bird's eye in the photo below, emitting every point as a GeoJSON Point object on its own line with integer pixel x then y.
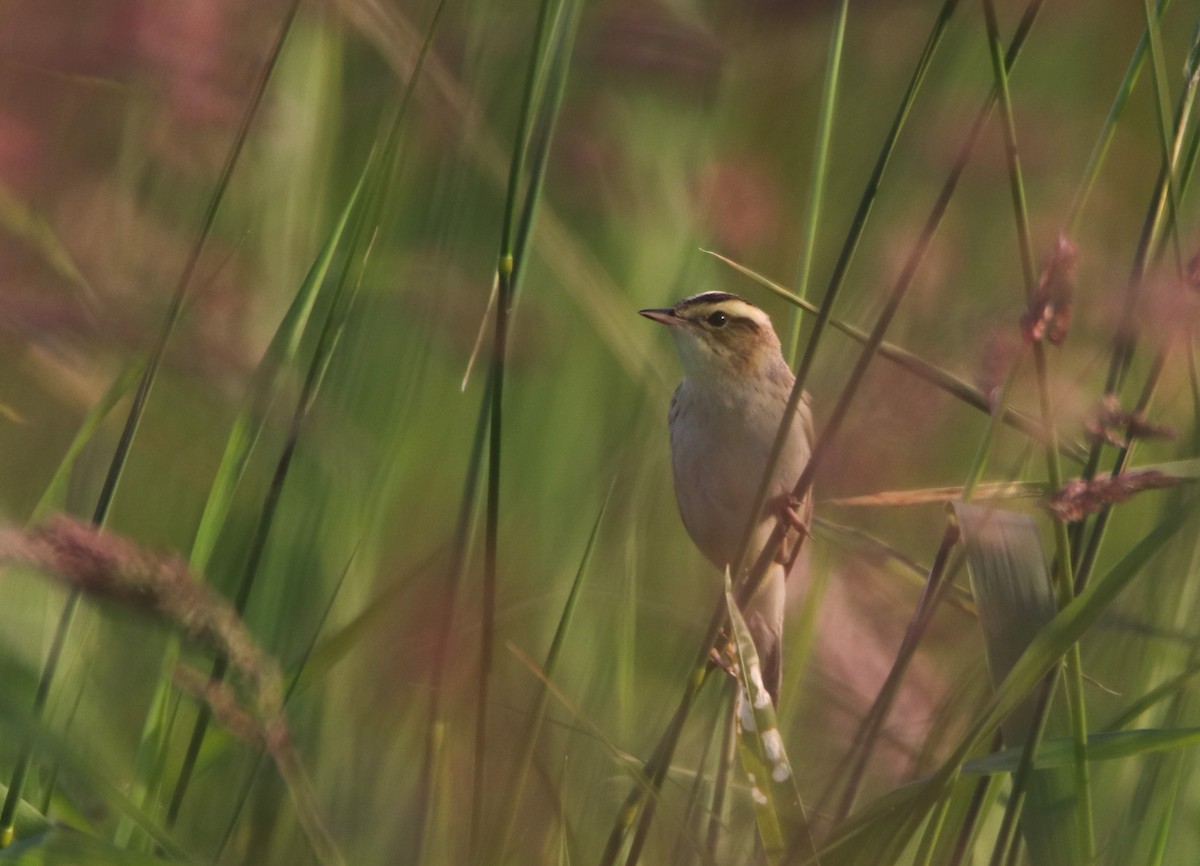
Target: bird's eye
{"type": "Point", "coordinates": [717, 319]}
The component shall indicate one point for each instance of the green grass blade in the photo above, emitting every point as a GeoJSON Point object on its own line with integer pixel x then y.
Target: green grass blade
{"type": "Point", "coordinates": [247, 427]}
{"type": "Point", "coordinates": [280, 355]}
{"type": "Point", "coordinates": [372, 179]}
{"type": "Point", "coordinates": [535, 125]}
{"type": "Point", "coordinates": [537, 710]}
{"type": "Point", "coordinates": [335, 321]}
{"type": "Point", "coordinates": [1067, 627]}
{"type": "Point", "coordinates": [859, 223]}
{"type": "Point", "coordinates": [866, 737]}
{"type": "Point", "coordinates": [1103, 746]}
{"type": "Point", "coordinates": [820, 169]}
{"type": "Point", "coordinates": [1172, 687]}
{"type": "Point", "coordinates": [1168, 145]}
{"type": "Point", "coordinates": [86, 770]}
{"type": "Point", "coordinates": [29, 820]}
{"type": "Point", "coordinates": [54, 496]}
{"type": "Point", "coordinates": [1012, 590]}
{"type": "Point", "coordinates": [1108, 130]}
{"type": "Point", "coordinates": [1158, 853]}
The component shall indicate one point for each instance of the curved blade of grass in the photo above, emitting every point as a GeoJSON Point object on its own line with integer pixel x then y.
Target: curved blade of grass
{"type": "Point", "coordinates": [1168, 689]}
{"type": "Point", "coordinates": [1011, 586]}
{"type": "Point", "coordinates": [293, 682]}
{"type": "Point", "coordinates": [644, 783]}
{"type": "Point", "coordinates": [537, 710]}
{"type": "Point", "coordinates": [782, 822]}
{"type": "Point", "coordinates": [247, 427]}
{"type": "Point", "coordinates": [334, 323]}
{"type": "Point", "coordinates": [243, 437]}
{"type": "Point", "coordinates": [54, 496]}
{"type": "Point", "coordinates": [1103, 746]}
{"type": "Point", "coordinates": [958, 388]}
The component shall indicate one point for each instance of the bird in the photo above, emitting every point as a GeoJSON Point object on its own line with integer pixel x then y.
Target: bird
{"type": "Point", "coordinates": [723, 420]}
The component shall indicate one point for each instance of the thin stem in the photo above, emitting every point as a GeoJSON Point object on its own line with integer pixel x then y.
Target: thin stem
{"type": "Point", "coordinates": [820, 167]}
{"type": "Point", "coordinates": [508, 265]}
{"type": "Point", "coordinates": [1008, 825]}
{"type": "Point", "coordinates": [721, 784]}
{"type": "Point", "coordinates": [868, 732]}
{"type": "Point", "coordinates": [1100, 150]}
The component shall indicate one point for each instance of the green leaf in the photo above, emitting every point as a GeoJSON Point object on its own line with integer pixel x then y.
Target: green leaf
{"type": "Point", "coordinates": [54, 495]}
{"type": "Point", "coordinates": [1013, 594]}
{"type": "Point", "coordinates": [1104, 746]}
{"type": "Point", "coordinates": [28, 820]}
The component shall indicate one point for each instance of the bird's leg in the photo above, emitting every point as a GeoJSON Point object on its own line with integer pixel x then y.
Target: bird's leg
{"type": "Point", "coordinates": [786, 509]}
{"type": "Point", "coordinates": [723, 656]}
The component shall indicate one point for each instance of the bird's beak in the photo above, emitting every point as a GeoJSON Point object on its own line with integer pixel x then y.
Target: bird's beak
{"type": "Point", "coordinates": [663, 317]}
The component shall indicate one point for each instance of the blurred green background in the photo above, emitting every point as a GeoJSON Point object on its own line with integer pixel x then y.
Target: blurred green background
{"type": "Point", "coordinates": [685, 126]}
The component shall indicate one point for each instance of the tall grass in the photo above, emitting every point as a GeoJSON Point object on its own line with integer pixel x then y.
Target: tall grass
{"type": "Point", "coordinates": [280, 261]}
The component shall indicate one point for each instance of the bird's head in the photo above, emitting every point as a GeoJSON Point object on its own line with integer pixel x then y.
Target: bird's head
{"type": "Point", "coordinates": [720, 336]}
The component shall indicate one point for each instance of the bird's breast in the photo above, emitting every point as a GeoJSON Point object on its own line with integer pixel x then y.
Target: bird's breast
{"type": "Point", "coordinates": [719, 451]}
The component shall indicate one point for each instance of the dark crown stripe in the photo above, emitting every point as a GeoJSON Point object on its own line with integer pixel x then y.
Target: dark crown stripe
{"type": "Point", "coordinates": [708, 298]}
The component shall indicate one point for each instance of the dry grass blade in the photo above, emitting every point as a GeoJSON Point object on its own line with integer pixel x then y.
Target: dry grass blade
{"type": "Point", "coordinates": [782, 821]}
{"type": "Point", "coordinates": [929, 495]}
